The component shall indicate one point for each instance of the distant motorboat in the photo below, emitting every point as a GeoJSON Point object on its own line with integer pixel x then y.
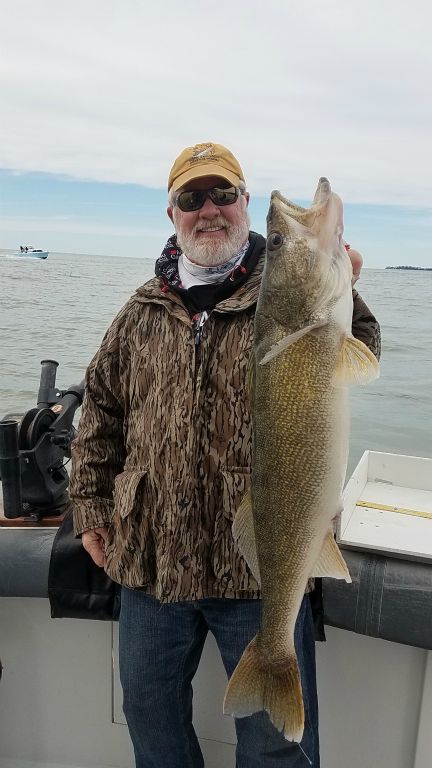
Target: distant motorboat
{"type": "Point", "coordinates": [36, 253]}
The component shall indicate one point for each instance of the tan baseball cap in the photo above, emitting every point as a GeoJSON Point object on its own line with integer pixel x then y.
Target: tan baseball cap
{"type": "Point", "coordinates": [206, 159]}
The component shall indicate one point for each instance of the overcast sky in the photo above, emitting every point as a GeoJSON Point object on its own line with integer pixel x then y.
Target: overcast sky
{"type": "Point", "coordinates": [110, 91]}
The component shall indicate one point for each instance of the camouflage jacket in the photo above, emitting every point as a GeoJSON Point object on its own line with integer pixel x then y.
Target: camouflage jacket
{"type": "Point", "coordinates": [163, 452]}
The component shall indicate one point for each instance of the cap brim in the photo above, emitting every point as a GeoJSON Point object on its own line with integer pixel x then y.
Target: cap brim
{"type": "Point", "coordinates": [202, 171]}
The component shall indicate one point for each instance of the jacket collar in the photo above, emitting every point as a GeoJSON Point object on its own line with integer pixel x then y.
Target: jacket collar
{"type": "Point", "coordinates": [157, 291]}
{"type": "Point", "coordinates": [247, 295]}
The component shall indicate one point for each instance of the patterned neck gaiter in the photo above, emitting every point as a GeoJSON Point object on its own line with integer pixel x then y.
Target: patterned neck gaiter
{"type": "Point", "coordinates": [177, 271]}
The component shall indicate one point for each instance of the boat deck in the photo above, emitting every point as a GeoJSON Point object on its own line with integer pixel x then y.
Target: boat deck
{"type": "Point", "coordinates": [61, 699]}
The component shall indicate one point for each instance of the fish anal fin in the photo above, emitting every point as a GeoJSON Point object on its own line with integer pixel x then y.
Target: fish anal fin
{"type": "Point", "coordinates": [244, 535]}
{"type": "Point", "coordinates": [330, 561]}
{"type": "Point", "coordinates": [356, 364]}
{"type": "Point", "coordinates": [256, 684]}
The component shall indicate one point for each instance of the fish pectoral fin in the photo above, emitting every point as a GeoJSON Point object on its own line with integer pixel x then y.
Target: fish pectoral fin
{"type": "Point", "coordinates": [356, 364]}
{"type": "Point", "coordinates": [287, 341]}
{"type": "Point", "coordinates": [244, 535]}
{"type": "Point", "coordinates": [330, 562]}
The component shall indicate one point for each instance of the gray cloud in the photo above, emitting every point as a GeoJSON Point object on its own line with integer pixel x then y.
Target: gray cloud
{"type": "Point", "coordinates": [114, 90]}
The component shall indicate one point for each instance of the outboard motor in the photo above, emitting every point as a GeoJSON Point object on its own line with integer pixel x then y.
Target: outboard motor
{"type": "Point", "coordinates": [33, 447]}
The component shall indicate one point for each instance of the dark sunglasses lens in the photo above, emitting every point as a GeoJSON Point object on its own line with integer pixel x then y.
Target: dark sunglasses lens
{"type": "Point", "coordinates": [221, 196]}
{"type": "Point", "coordinates": [192, 200]}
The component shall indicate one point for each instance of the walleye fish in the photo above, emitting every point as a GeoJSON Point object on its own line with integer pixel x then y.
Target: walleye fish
{"type": "Point", "coordinates": [304, 360]}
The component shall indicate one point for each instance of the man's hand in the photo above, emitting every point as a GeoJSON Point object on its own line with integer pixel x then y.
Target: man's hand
{"type": "Point", "coordinates": [356, 261]}
{"type": "Point", "coordinates": [94, 543]}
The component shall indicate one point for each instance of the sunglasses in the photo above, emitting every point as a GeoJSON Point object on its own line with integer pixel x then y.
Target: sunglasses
{"type": "Point", "coordinates": [194, 199]}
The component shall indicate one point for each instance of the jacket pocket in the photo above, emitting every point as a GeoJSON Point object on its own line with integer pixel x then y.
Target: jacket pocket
{"type": "Point", "coordinates": [129, 491]}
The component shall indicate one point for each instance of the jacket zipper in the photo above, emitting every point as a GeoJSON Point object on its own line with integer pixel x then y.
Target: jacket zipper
{"type": "Point", "coordinates": [198, 324]}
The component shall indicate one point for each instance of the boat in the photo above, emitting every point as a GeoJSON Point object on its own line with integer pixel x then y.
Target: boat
{"type": "Point", "coordinates": [60, 692]}
{"type": "Point", "coordinates": [36, 253]}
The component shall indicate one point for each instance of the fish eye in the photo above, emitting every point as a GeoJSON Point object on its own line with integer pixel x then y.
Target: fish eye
{"type": "Point", "coordinates": [274, 241]}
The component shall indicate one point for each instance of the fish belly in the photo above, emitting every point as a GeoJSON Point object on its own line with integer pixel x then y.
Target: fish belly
{"type": "Point", "coordinates": [300, 448]}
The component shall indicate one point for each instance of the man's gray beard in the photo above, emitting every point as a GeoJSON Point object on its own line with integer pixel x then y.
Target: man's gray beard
{"type": "Point", "coordinates": [209, 252]}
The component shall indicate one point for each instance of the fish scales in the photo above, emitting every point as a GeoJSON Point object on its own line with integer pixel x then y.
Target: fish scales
{"type": "Point", "coordinates": [305, 358]}
{"type": "Point", "coordinates": [293, 422]}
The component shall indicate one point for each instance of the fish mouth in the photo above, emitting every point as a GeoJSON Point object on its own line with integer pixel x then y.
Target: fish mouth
{"type": "Point", "coordinates": [279, 205]}
{"type": "Point", "coordinates": [277, 195]}
{"type": "Point", "coordinates": [293, 223]}
{"type": "Point", "coordinates": [299, 220]}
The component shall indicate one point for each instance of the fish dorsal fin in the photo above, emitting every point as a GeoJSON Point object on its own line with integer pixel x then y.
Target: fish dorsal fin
{"type": "Point", "coordinates": [287, 341]}
{"type": "Point", "coordinates": [356, 364]}
{"type": "Point", "coordinates": [330, 562]}
{"type": "Point", "coordinates": [244, 535]}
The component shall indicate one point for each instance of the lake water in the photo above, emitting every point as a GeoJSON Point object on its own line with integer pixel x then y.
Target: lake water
{"type": "Point", "coordinates": [61, 307]}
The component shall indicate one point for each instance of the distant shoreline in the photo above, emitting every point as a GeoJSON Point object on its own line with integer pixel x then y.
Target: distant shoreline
{"type": "Point", "coordinates": [417, 269]}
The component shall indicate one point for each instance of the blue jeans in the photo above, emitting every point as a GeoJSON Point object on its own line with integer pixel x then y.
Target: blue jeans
{"type": "Point", "coordinates": [160, 648]}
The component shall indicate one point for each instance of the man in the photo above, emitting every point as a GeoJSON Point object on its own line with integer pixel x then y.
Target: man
{"type": "Point", "coordinates": [162, 461]}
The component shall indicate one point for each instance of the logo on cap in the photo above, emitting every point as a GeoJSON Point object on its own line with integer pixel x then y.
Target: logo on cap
{"type": "Point", "coordinates": [203, 152]}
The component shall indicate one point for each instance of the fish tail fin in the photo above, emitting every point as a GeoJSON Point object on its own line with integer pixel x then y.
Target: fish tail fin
{"type": "Point", "coordinates": [258, 684]}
